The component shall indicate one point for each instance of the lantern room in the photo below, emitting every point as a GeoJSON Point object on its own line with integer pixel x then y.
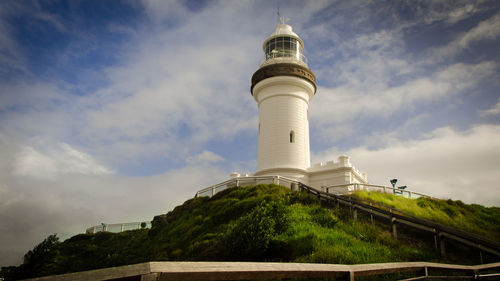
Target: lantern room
{"type": "Point", "coordinates": [284, 45]}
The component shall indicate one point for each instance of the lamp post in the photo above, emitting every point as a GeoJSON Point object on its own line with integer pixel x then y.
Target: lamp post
{"type": "Point", "coordinates": [393, 182]}
{"type": "Point", "coordinates": [400, 188]}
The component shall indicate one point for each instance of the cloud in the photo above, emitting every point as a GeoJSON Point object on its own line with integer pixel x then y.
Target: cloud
{"type": "Point", "coordinates": [449, 12]}
{"type": "Point", "coordinates": [351, 101]}
{"type": "Point", "coordinates": [495, 110]}
{"type": "Point", "coordinates": [205, 157]}
{"type": "Point", "coordinates": [488, 29]}
{"type": "Point", "coordinates": [445, 163]}
{"type": "Point", "coordinates": [62, 159]}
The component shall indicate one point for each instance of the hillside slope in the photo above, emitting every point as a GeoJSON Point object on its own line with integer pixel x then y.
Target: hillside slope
{"type": "Point", "coordinates": [258, 223]}
{"type": "Point", "coordinates": [472, 218]}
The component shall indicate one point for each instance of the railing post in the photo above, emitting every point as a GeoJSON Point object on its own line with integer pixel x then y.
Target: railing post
{"type": "Point", "coordinates": [94, 230]}
{"type": "Point", "coordinates": [213, 190]}
{"type": "Point", "coordinates": [409, 194]}
{"type": "Point", "coordinates": [105, 227]}
{"type": "Point", "coordinates": [371, 213]}
{"type": "Point", "coordinates": [237, 183]}
{"type": "Point", "coordinates": [355, 213]}
{"type": "Point", "coordinates": [442, 246]}
{"type": "Point", "coordinates": [122, 227]}
{"type": "Point", "coordinates": [394, 228]}
{"type": "Point", "coordinates": [278, 180]}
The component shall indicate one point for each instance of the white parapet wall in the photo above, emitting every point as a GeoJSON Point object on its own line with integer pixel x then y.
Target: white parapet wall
{"type": "Point", "coordinates": [320, 175]}
{"type": "Point", "coordinates": [335, 173]}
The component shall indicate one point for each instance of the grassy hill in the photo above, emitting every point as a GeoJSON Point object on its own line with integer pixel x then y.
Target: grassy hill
{"type": "Point", "coordinates": [473, 218]}
{"type": "Point", "coordinates": [257, 223]}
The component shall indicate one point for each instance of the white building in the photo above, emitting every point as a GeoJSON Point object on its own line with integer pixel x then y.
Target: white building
{"type": "Point", "coordinates": [282, 87]}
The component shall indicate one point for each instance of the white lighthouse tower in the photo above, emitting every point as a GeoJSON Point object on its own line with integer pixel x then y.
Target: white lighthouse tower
{"type": "Point", "coordinates": [282, 87]}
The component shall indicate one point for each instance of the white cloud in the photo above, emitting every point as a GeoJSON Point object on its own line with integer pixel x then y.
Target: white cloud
{"type": "Point", "coordinates": [461, 13]}
{"type": "Point", "coordinates": [205, 157]}
{"type": "Point", "coordinates": [495, 110]}
{"type": "Point", "coordinates": [488, 29]}
{"type": "Point", "coordinates": [450, 12]}
{"type": "Point", "coordinates": [62, 159]}
{"type": "Point", "coordinates": [351, 101]}
{"type": "Point", "coordinates": [445, 163]}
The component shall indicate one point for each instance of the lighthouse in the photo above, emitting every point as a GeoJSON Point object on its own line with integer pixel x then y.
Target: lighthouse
{"type": "Point", "coordinates": [282, 87]}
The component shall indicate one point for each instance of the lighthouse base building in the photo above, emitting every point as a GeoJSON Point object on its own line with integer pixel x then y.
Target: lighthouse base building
{"type": "Point", "coordinates": [282, 87]}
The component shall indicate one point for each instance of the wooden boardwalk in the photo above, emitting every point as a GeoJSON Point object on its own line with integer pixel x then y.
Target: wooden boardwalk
{"type": "Point", "coordinates": [161, 271]}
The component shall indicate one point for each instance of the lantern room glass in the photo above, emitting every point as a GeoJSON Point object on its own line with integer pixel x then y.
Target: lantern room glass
{"type": "Point", "coordinates": [284, 46]}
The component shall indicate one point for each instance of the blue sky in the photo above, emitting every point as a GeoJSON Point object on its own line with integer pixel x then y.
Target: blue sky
{"type": "Point", "coordinates": [115, 111]}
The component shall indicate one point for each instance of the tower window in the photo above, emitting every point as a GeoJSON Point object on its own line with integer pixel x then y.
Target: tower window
{"type": "Point", "coordinates": [292, 136]}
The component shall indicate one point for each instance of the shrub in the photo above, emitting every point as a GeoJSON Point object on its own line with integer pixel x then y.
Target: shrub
{"type": "Point", "coordinates": [250, 236]}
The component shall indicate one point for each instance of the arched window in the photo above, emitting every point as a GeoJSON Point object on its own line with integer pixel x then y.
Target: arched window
{"type": "Point", "coordinates": [292, 137]}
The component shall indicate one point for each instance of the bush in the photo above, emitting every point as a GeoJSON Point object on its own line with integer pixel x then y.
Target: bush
{"type": "Point", "coordinates": [250, 236]}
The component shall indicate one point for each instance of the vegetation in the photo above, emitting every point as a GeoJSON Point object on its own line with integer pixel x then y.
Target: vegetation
{"type": "Point", "coordinates": [256, 223]}
{"type": "Point", "coordinates": [473, 218]}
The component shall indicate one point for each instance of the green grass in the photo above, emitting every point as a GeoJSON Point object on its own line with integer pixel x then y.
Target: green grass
{"type": "Point", "coordinates": [472, 218]}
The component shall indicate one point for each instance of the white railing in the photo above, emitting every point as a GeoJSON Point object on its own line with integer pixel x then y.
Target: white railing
{"type": "Point", "coordinates": [117, 227]}
{"type": "Point", "coordinates": [353, 187]}
{"type": "Point", "coordinates": [248, 180]}
{"type": "Point", "coordinates": [293, 184]}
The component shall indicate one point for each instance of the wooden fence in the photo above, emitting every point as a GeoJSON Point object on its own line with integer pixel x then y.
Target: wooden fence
{"type": "Point", "coordinates": [162, 271]}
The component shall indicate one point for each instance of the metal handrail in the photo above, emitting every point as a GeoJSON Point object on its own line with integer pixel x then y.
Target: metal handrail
{"type": "Point", "coordinates": [366, 186]}
{"type": "Point", "coordinates": [237, 182]}
{"type": "Point", "coordinates": [105, 227]}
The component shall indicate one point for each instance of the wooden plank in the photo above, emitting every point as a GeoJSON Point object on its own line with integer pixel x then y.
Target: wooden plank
{"type": "Point", "coordinates": [101, 274]}
{"type": "Point", "coordinates": [245, 270]}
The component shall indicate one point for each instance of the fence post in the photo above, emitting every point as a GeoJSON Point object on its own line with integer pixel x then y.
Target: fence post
{"type": "Point", "coordinates": [436, 241]}
{"type": "Point", "coordinates": [355, 213]}
{"type": "Point", "coordinates": [371, 213]}
{"type": "Point", "coordinates": [394, 228]}
{"type": "Point", "coordinates": [442, 246]}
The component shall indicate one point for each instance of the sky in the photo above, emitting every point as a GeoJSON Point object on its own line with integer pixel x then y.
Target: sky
{"type": "Point", "coordinates": [117, 111]}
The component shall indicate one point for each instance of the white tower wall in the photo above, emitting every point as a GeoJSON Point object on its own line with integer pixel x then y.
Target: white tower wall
{"type": "Point", "coordinates": [283, 103]}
